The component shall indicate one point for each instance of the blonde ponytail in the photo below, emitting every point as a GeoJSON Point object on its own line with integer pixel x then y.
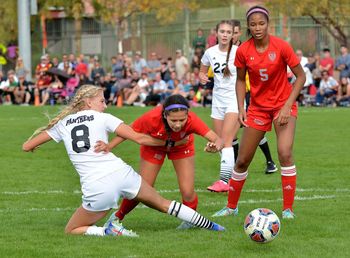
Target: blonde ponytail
{"type": "Point", "coordinates": [77, 104]}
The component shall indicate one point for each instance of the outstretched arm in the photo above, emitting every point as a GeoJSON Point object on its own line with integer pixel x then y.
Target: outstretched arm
{"type": "Point", "coordinates": [33, 143]}
{"type": "Point", "coordinates": [215, 143]}
{"type": "Point", "coordinates": [127, 132]}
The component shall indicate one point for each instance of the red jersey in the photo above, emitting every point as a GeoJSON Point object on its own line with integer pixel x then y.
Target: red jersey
{"type": "Point", "coordinates": [328, 61]}
{"type": "Point", "coordinates": [151, 123]}
{"type": "Point", "coordinates": [269, 86]}
{"type": "Point", "coordinates": [44, 79]}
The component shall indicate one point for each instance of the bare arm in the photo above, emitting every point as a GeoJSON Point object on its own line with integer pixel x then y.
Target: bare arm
{"type": "Point", "coordinates": [203, 74]}
{"type": "Point", "coordinates": [284, 114]}
{"type": "Point", "coordinates": [215, 143]}
{"type": "Point", "coordinates": [240, 92]}
{"type": "Point", "coordinates": [126, 132]}
{"type": "Point", "coordinates": [33, 143]}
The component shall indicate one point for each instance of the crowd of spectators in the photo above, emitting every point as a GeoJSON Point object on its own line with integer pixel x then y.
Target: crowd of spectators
{"type": "Point", "coordinates": [327, 78]}
{"type": "Point", "coordinates": [139, 81]}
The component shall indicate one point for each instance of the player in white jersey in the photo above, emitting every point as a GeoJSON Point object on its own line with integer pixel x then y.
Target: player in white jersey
{"type": "Point", "coordinates": [224, 111]}
{"type": "Point", "coordinates": [103, 176]}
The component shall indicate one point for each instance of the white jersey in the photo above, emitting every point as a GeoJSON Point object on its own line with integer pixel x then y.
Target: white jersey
{"type": "Point", "coordinates": [80, 132]}
{"type": "Point", "coordinates": [224, 92]}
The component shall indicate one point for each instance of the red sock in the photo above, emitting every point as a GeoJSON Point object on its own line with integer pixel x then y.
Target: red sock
{"type": "Point", "coordinates": [125, 208]}
{"type": "Point", "coordinates": [236, 184]}
{"type": "Point", "coordinates": [289, 179]}
{"type": "Point", "coordinates": [192, 204]}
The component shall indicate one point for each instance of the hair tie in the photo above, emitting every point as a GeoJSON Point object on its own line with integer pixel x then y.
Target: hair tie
{"type": "Point", "coordinates": [173, 106]}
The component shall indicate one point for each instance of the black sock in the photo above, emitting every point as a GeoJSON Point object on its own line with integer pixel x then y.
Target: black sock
{"type": "Point", "coordinates": [235, 146]}
{"type": "Point", "coordinates": [266, 150]}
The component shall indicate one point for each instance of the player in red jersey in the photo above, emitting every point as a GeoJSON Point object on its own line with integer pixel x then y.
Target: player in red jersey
{"type": "Point", "coordinates": [171, 122]}
{"type": "Point", "coordinates": [266, 58]}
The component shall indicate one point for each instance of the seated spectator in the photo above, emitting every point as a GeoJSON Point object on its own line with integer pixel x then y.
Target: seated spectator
{"type": "Point", "coordinates": [43, 79]}
{"type": "Point", "coordinates": [179, 89]}
{"type": "Point", "coordinates": [328, 88]}
{"type": "Point", "coordinates": [105, 83]}
{"type": "Point", "coordinates": [196, 62]}
{"type": "Point", "coordinates": [159, 87]}
{"type": "Point", "coordinates": [165, 71]}
{"type": "Point", "coordinates": [9, 88]}
{"type": "Point", "coordinates": [342, 63]}
{"type": "Point", "coordinates": [140, 92]}
{"type": "Point", "coordinates": [81, 67]}
{"type": "Point", "coordinates": [327, 62]}
{"type": "Point", "coordinates": [55, 62]}
{"type": "Point", "coordinates": [25, 91]}
{"type": "Point", "coordinates": [118, 66]}
{"type": "Point", "coordinates": [158, 93]}
{"type": "Point", "coordinates": [343, 97]}
{"type": "Point", "coordinates": [54, 92]}
{"type": "Point", "coordinates": [139, 63]}
{"type": "Point", "coordinates": [20, 68]}
{"type": "Point", "coordinates": [97, 72]}
{"type": "Point", "coordinates": [129, 89]}
{"type": "Point", "coordinates": [154, 66]}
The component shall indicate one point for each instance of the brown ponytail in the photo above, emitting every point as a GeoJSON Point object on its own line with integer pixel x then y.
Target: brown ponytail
{"type": "Point", "coordinates": [227, 72]}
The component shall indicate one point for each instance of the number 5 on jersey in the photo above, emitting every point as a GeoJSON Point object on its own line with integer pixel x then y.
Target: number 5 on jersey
{"type": "Point", "coordinates": [263, 74]}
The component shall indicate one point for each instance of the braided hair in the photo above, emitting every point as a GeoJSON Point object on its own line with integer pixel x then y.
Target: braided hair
{"type": "Point", "coordinates": [76, 104]}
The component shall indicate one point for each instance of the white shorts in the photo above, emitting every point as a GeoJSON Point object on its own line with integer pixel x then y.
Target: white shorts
{"type": "Point", "coordinates": [220, 112]}
{"type": "Point", "coordinates": [103, 194]}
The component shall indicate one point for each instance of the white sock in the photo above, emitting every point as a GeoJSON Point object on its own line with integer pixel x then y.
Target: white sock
{"type": "Point", "coordinates": [185, 213]}
{"type": "Point", "coordinates": [95, 231]}
{"type": "Point", "coordinates": [263, 140]}
{"type": "Point", "coordinates": [227, 164]}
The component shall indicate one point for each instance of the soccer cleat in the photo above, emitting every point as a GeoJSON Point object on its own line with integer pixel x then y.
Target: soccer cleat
{"type": "Point", "coordinates": [218, 186]}
{"type": "Point", "coordinates": [270, 167]}
{"type": "Point", "coordinates": [226, 212]}
{"type": "Point", "coordinates": [116, 228]}
{"type": "Point", "coordinates": [185, 225]}
{"type": "Point", "coordinates": [217, 227]}
{"type": "Point", "coordinates": [288, 214]}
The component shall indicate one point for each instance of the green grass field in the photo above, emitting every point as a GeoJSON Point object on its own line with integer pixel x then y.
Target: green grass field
{"type": "Point", "coordinates": [39, 192]}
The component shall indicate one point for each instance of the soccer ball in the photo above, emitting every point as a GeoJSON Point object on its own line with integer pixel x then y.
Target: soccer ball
{"type": "Point", "coordinates": [262, 225]}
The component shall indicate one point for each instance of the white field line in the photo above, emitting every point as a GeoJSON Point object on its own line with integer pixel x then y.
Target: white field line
{"type": "Point", "coordinates": [298, 190]}
{"type": "Point", "coordinates": [205, 204]}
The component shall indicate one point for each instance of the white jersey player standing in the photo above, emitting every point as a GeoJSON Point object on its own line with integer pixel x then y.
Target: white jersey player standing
{"type": "Point", "coordinates": [224, 110]}
{"type": "Point", "coordinates": [82, 125]}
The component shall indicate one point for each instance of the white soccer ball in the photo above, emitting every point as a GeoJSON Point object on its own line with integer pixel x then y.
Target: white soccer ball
{"type": "Point", "coordinates": [262, 225]}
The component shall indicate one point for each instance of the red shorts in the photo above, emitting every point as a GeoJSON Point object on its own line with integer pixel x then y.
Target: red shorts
{"type": "Point", "coordinates": [262, 120]}
{"type": "Point", "coordinates": [156, 155]}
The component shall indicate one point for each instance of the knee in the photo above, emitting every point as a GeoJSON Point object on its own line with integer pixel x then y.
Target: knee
{"type": "Point", "coordinates": [285, 157]}
{"type": "Point", "coordinates": [242, 164]}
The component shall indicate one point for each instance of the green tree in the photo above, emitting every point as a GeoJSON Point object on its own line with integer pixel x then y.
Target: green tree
{"type": "Point", "coordinates": [72, 8]}
{"type": "Point", "coordinates": [8, 22]}
{"type": "Point", "coordinates": [330, 14]}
